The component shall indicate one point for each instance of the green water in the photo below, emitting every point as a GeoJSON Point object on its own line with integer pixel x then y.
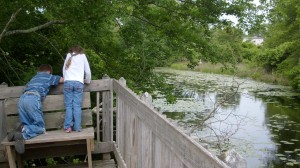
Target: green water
{"type": "Point", "coordinates": [261, 121]}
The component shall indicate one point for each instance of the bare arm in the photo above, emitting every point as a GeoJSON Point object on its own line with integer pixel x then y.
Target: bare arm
{"type": "Point", "coordinates": [61, 80]}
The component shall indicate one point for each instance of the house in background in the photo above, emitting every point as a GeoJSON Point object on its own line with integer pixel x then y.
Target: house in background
{"type": "Point", "coordinates": [255, 39]}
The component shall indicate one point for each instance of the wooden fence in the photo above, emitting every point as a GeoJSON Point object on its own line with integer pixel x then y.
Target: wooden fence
{"type": "Point", "coordinates": [145, 138]}
{"type": "Point", "coordinates": [103, 122]}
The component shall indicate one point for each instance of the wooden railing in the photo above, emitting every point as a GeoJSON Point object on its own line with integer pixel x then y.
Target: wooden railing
{"type": "Point", "coordinates": [145, 138]}
{"type": "Point", "coordinates": [104, 121]}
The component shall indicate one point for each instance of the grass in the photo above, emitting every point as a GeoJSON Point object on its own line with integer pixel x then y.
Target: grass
{"type": "Point", "coordinates": [242, 70]}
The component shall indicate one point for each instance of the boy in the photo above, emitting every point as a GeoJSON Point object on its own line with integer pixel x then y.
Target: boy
{"type": "Point", "coordinates": [30, 107]}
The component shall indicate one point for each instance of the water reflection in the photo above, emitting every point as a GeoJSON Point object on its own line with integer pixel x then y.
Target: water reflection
{"type": "Point", "coordinates": [267, 127]}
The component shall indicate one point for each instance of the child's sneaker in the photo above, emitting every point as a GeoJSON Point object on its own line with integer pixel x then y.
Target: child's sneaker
{"type": "Point", "coordinates": [19, 143]}
{"type": "Point", "coordinates": [11, 134]}
{"type": "Point", "coordinates": [68, 130]}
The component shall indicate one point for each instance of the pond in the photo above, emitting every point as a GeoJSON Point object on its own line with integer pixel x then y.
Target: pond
{"type": "Point", "coordinates": [260, 121]}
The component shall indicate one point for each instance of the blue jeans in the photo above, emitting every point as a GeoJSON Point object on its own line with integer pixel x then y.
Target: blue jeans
{"type": "Point", "coordinates": [73, 92]}
{"type": "Point", "coordinates": [31, 115]}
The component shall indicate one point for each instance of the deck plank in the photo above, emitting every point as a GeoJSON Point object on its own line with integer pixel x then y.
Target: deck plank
{"type": "Point", "coordinates": [58, 136]}
{"type": "Point", "coordinates": [96, 164]}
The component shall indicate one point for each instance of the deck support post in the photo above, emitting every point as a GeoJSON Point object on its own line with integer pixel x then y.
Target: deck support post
{"type": "Point", "coordinates": [3, 128]}
{"type": "Point", "coordinates": [107, 117]}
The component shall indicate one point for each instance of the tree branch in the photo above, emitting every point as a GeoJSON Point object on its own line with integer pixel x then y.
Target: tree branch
{"type": "Point", "coordinates": [12, 18]}
{"type": "Point", "coordinates": [144, 20]}
{"type": "Point", "coordinates": [33, 29]}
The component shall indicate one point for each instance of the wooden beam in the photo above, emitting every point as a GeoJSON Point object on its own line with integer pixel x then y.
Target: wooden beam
{"type": "Point", "coordinates": [98, 116]}
{"type": "Point", "coordinates": [119, 158]}
{"type": "Point", "coordinates": [54, 151]}
{"type": "Point", "coordinates": [58, 136]}
{"type": "Point", "coordinates": [3, 127]}
{"type": "Point", "coordinates": [107, 117]}
{"type": "Point", "coordinates": [11, 156]}
{"type": "Point", "coordinates": [95, 85]}
{"type": "Point", "coordinates": [52, 120]}
{"type": "Point", "coordinates": [89, 152]}
{"type": "Point", "coordinates": [51, 103]}
{"type": "Point", "coordinates": [103, 147]}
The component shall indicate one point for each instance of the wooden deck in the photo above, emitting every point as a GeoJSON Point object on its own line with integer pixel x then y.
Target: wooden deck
{"type": "Point", "coordinates": [96, 164]}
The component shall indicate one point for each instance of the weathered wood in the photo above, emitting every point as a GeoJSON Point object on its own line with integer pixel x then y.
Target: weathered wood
{"type": "Point", "coordinates": [58, 136]}
{"type": "Point", "coordinates": [55, 144]}
{"type": "Point", "coordinates": [175, 161]}
{"type": "Point", "coordinates": [119, 158]}
{"type": "Point", "coordinates": [147, 98]}
{"type": "Point", "coordinates": [3, 130]}
{"type": "Point", "coordinates": [157, 152]}
{"type": "Point", "coordinates": [107, 120]}
{"type": "Point", "coordinates": [51, 103]}
{"type": "Point", "coordinates": [127, 136]}
{"type": "Point", "coordinates": [107, 115]}
{"type": "Point", "coordinates": [147, 141]}
{"type": "Point", "coordinates": [11, 156]}
{"type": "Point", "coordinates": [96, 164]}
{"type": "Point", "coordinates": [52, 120]}
{"type": "Point", "coordinates": [119, 120]}
{"type": "Point", "coordinates": [57, 150]}
{"type": "Point", "coordinates": [192, 153]}
{"type": "Point", "coordinates": [104, 164]}
{"type": "Point", "coordinates": [135, 135]}
{"type": "Point", "coordinates": [54, 141]}
{"type": "Point", "coordinates": [103, 147]}
{"type": "Point", "coordinates": [98, 115]}
{"type": "Point", "coordinates": [95, 85]}
{"type": "Point", "coordinates": [89, 152]}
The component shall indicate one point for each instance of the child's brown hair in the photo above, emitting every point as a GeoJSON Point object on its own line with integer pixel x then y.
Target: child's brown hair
{"type": "Point", "coordinates": [73, 51]}
{"type": "Point", "coordinates": [45, 68]}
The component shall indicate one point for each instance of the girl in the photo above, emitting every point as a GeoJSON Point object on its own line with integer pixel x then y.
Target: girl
{"type": "Point", "coordinates": [76, 67]}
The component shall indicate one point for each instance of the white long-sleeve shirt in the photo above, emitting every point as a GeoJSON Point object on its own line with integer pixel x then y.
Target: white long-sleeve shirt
{"type": "Point", "coordinates": [79, 70]}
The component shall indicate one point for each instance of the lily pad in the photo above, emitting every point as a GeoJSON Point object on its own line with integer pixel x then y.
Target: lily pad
{"type": "Point", "coordinates": [279, 154]}
{"type": "Point", "coordinates": [282, 158]}
{"type": "Point", "coordinates": [289, 151]}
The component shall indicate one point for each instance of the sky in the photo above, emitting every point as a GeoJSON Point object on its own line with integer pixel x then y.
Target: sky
{"type": "Point", "coordinates": [233, 18]}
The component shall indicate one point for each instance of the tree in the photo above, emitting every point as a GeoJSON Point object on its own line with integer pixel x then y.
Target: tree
{"type": "Point", "coordinates": [281, 46]}
{"type": "Point", "coordinates": [122, 38]}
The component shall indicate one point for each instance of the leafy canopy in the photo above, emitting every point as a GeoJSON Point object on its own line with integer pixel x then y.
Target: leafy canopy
{"type": "Point", "coordinates": [121, 38]}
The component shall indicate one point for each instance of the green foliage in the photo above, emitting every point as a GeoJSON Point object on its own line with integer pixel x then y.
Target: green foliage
{"type": "Point", "coordinates": [51, 162]}
{"type": "Point", "coordinates": [226, 43]}
{"type": "Point", "coordinates": [250, 51]}
{"type": "Point", "coordinates": [270, 58]}
{"type": "Point", "coordinates": [294, 74]}
{"type": "Point", "coordinates": [121, 38]}
{"type": "Point", "coordinates": [76, 161]}
{"type": "Point", "coordinates": [281, 48]}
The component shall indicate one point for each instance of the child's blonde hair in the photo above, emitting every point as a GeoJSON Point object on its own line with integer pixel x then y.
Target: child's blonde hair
{"type": "Point", "coordinates": [73, 51]}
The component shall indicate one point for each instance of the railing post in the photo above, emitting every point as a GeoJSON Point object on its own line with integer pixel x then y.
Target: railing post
{"type": "Point", "coordinates": [98, 115]}
{"type": "Point", "coordinates": [3, 130]}
{"type": "Point", "coordinates": [122, 81]}
{"type": "Point", "coordinates": [120, 120]}
{"type": "Point", "coordinates": [107, 117]}
{"type": "Point", "coordinates": [147, 98]}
